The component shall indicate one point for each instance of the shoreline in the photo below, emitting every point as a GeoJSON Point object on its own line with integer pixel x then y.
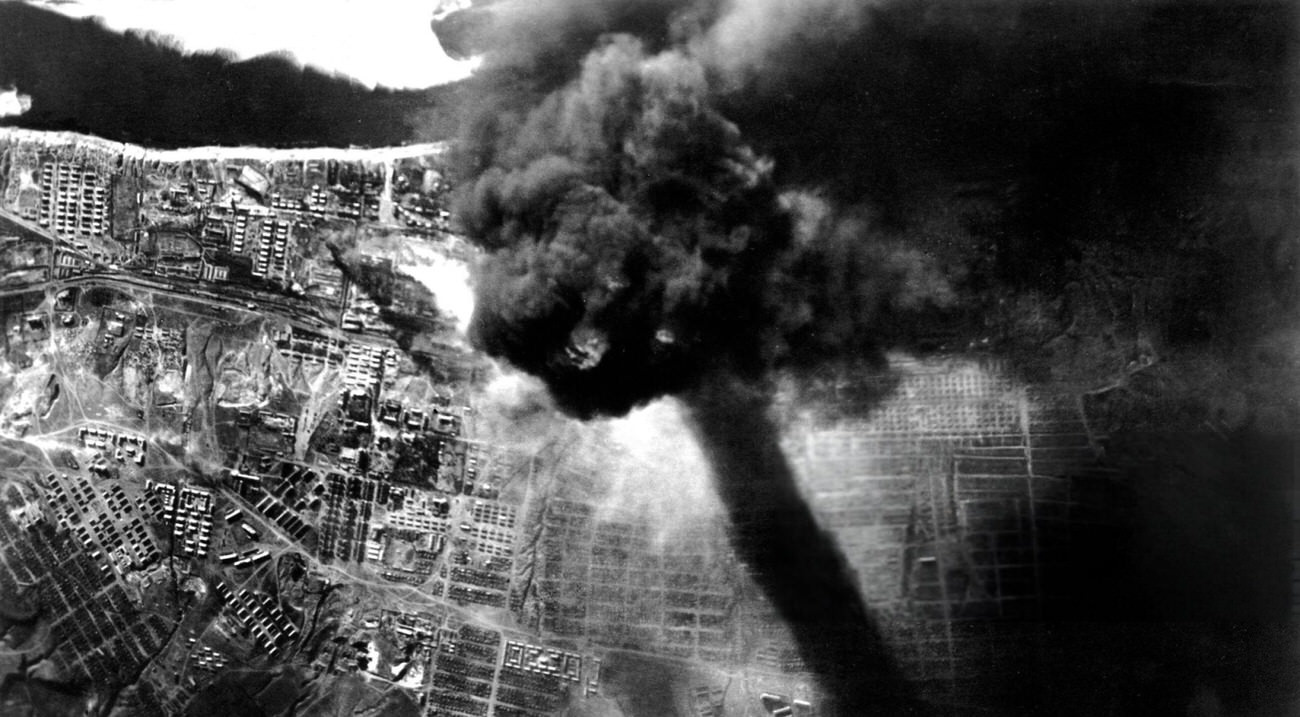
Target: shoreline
{"type": "Point", "coordinates": [219, 152]}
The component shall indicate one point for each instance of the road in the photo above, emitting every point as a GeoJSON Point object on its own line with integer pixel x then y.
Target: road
{"type": "Point", "coordinates": [54, 239]}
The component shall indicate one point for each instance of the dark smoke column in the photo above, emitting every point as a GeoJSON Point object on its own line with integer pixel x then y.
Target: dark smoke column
{"type": "Point", "coordinates": [635, 247]}
{"type": "Point", "coordinates": [792, 559]}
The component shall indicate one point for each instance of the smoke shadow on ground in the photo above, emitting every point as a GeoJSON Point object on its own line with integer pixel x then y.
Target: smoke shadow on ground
{"type": "Point", "coordinates": [1172, 597]}
{"type": "Point", "coordinates": [1158, 582]}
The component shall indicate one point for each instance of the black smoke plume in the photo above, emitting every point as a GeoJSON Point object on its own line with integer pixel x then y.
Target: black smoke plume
{"type": "Point", "coordinates": [688, 197]}
{"type": "Point", "coordinates": [636, 243]}
{"type": "Point", "coordinates": [636, 246]}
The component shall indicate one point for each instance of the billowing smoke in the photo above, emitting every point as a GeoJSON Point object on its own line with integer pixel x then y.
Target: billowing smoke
{"type": "Point", "coordinates": [632, 234]}
{"type": "Point", "coordinates": [686, 197]}
{"type": "Point", "coordinates": [636, 246]}
{"type": "Point", "coordinates": [637, 243]}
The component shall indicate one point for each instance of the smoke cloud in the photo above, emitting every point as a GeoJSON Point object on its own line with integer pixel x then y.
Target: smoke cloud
{"type": "Point", "coordinates": [668, 187]}
{"type": "Point", "coordinates": [636, 242]}
{"type": "Point", "coordinates": [690, 198]}
{"type": "Point", "coordinates": [638, 247]}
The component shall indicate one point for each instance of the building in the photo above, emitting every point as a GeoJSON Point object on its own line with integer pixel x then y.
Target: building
{"type": "Point", "coordinates": [253, 180]}
{"type": "Point", "coordinates": [189, 513]}
{"type": "Point", "coordinates": [74, 200]}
